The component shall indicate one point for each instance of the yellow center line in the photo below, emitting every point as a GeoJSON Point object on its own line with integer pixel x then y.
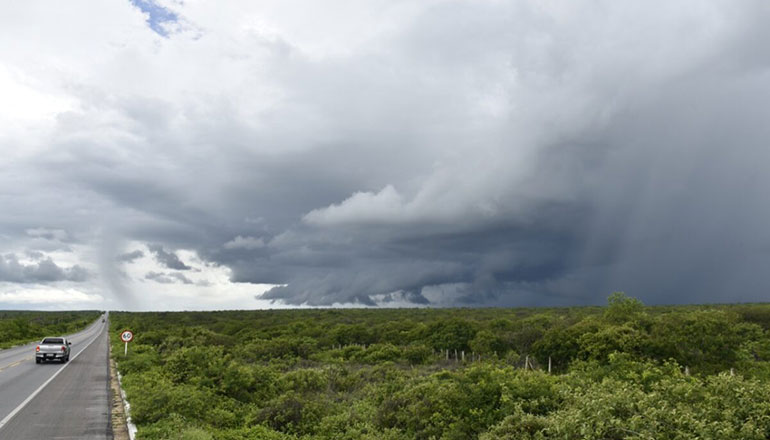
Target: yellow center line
{"type": "Point", "coordinates": [16, 363]}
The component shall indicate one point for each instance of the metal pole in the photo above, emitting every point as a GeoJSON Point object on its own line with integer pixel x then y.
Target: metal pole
{"type": "Point", "coordinates": [125, 352]}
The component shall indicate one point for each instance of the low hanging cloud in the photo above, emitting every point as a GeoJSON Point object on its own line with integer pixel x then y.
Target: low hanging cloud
{"type": "Point", "coordinates": [452, 153]}
{"type": "Point", "coordinates": [168, 278]}
{"type": "Point", "coordinates": [44, 270]}
{"type": "Point", "coordinates": [168, 259]}
{"type": "Point", "coordinates": [130, 257]}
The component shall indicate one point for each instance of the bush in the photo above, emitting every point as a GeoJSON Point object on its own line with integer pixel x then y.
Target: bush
{"type": "Point", "coordinates": [418, 354]}
{"type": "Point", "coordinates": [618, 373]}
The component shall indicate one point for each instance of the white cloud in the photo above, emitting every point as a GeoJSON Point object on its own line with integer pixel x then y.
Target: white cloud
{"type": "Point", "coordinates": [362, 207]}
{"type": "Point", "coordinates": [49, 296]}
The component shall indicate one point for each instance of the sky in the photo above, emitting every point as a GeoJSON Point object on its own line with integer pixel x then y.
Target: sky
{"type": "Point", "coordinates": [197, 155]}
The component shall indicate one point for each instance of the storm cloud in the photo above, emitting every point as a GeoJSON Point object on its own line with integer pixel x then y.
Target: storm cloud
{"type": "Point", "coordinates": [391, 153]}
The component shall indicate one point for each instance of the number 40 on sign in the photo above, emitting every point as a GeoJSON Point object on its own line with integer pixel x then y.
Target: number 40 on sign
{"type": "Point", "coordinates": [126, 336]}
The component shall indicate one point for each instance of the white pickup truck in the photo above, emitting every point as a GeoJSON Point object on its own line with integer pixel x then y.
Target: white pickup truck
{"type": "Point", "coordinates": [50, 349]}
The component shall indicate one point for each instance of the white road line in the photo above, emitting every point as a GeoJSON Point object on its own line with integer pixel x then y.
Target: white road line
{"type": "Point", "coordinates": [37, 391]}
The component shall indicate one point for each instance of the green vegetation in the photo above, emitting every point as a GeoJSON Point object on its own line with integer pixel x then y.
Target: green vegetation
{"type": "Point", "coordinates": [21, 327]}
{"type": "Point", "coordinates": [621, 371]}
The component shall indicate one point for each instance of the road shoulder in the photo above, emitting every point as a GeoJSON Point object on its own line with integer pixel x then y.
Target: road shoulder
{"type": "Point", "coordinates": [117, 410]}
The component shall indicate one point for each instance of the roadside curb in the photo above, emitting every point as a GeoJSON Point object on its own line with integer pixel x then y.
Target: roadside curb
{"type": "Point", "coordinates": [123, 427]}
{"type": "Point", "coordinates": [129, 424]}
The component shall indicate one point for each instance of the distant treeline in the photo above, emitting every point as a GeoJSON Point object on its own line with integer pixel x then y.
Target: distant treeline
{"type": "Point", "coordinates": [621, 371]}
{"type": "Point", "coordinates": [20, 327]}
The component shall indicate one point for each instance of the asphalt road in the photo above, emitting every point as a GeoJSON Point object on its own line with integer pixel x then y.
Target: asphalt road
{"type": "Point", "coordinates": [72, 405]}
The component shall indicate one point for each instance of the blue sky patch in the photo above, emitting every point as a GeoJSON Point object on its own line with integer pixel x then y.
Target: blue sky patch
{"type": "Point", "coordinates": [158, 15]}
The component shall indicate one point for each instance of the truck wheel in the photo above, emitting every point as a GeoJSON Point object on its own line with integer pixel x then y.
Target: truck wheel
{"type": "Point", "coordinates": [37, 361]}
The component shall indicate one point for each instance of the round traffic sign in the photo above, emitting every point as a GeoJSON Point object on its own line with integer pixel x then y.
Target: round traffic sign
{"type": "Point", "coordinates": [127, 336]}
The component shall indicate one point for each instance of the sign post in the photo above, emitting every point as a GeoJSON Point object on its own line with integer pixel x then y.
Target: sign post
{"type": "Point", "coordinates": [126, 336]}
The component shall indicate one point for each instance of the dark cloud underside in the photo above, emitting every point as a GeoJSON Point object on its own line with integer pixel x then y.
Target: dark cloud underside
{"type": "Point", "coordinates": [168, 259]}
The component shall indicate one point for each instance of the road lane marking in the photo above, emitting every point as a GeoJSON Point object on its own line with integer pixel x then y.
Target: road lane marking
{"type": "Point", "coordinates": [16, 363]}
{"type": "Point", "coordinates": [37, 391]}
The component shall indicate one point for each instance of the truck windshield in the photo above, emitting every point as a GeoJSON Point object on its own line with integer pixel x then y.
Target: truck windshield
{"type": "Point", "coordinates": [57, 341]}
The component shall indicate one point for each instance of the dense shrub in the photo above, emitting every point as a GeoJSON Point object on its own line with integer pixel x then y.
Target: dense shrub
{"type": "Point", "coordinates": [624, 371]}
{"type": "Point", "coordinates": [21, 327]}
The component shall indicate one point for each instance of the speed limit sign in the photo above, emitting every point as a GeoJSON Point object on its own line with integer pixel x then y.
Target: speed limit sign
{"type": "Point", "coordinates": [127, 336]}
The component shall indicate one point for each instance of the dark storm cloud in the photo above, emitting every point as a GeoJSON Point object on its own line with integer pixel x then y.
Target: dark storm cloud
{"type": "Point", "coordinates": [168, 259]}
{"type": "Point", "coordinates": [44, 270]}
{"type": "Point", "coordinates": [129, 257]}
{"type": "Point", "coordinates": [475, 153]}
{"type": "Point", "coordinates": [486, 260]}
{"type": "Point", "coordinates": [654, 200]}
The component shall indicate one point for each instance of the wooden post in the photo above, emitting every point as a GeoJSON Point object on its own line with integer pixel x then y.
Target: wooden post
{"type": "Point", "coordinates": [549, 364]}
{"type": "Point", "coordinates": [526, 362]}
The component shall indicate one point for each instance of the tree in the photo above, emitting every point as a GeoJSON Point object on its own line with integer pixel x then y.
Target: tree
{"type": "Point", "coordinates": [622, 308]}
{"type": "Point", "coordinates": [488, 343]}
{"type": "Point", "coordinates": [450, 334]}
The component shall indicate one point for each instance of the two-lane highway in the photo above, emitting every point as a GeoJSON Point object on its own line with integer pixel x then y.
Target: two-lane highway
{"type": "Point", "coordinates": [54, 400]}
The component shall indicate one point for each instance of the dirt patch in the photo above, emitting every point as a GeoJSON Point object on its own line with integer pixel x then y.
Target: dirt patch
{"type": "Point", "coordinates": [117, 412]}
